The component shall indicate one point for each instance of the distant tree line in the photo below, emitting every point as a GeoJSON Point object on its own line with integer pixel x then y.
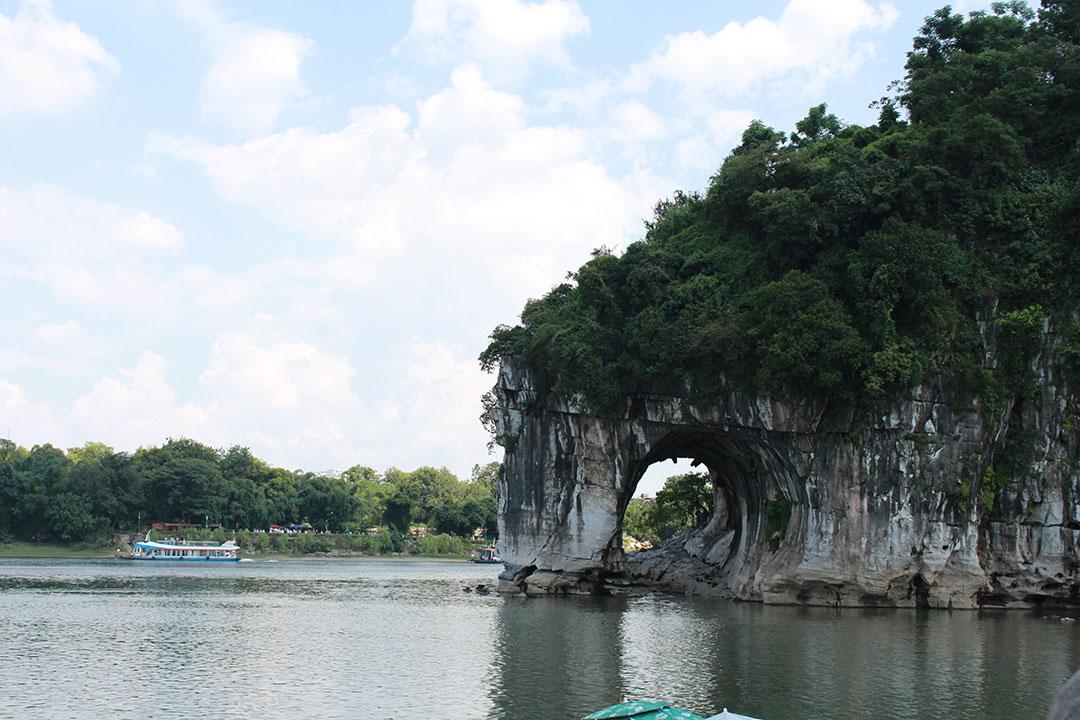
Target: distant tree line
{"type": "Point", "coordinates": [89, 492]}
{"type": "Point", "coordinates": [684, 503]}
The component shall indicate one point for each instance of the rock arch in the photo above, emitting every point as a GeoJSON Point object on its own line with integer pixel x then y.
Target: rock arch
{"type": "Point", "coordinates": [813, 505]}
{"type": "Point", "coordinates": [755, 494]}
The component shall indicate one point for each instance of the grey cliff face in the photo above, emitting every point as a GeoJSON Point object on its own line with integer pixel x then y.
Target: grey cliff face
{"type": "Point", "coordinates": [812, 505]}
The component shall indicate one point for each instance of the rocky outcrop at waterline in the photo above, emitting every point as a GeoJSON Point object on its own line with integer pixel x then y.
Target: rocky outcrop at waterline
{"type": "Point", "coordinates": [814, 504]}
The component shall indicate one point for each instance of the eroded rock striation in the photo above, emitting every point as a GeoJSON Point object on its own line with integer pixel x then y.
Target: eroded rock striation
{"type": "Point", "coordinates": [813, 504]}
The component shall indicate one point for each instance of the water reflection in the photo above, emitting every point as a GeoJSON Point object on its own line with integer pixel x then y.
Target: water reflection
{"type": "Point", "coordinates": [781, 662]}
{"type": "Point", "coordinates": [401, 639]}
{"type": "Point", "coordinates": [557, 657]}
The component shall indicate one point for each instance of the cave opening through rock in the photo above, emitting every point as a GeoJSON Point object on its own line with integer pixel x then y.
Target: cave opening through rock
{"type": "Point", "coordinates": [750, 507]}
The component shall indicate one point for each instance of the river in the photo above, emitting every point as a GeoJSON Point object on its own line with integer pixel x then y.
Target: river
{"type": "Point", "coordinates": [400, 639]}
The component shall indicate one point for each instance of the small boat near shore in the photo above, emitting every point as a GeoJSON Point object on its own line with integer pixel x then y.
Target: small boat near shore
{"type": "Point", "coordinates": [180, 551]}
{"type": "Point", "coordinates": [486, 556]}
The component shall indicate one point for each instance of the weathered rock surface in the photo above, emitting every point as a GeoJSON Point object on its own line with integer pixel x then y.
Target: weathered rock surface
{"type": "Point", "coordinates": [813, 505]}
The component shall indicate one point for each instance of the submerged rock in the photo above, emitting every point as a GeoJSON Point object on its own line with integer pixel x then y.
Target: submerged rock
{"type": "Point", "coordinates": [814, 504]}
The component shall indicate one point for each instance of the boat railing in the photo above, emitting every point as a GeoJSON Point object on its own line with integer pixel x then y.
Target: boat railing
{"type": "Point", "coordinates": [180, 542]}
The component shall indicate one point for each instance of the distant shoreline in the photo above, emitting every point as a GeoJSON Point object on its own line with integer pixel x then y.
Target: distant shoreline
{"type": "Point", "coordinates": [50, 550]}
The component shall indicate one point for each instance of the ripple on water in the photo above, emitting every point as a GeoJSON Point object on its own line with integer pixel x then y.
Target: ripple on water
{"type": "Point", "coordinates": [400, 639]}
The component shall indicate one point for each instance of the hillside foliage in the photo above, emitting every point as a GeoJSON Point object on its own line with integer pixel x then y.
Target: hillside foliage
{"type": "Point", "coordinates": [847, 262]}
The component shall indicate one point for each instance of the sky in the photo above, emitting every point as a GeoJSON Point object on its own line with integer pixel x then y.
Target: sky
{"type": "Point", "coordinates": [292, 226]}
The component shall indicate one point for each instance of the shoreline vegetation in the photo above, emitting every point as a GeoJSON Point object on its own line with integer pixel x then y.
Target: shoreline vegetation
{"type": "Point", "coordinates": [85, 500]}
{"type": "Point", "coordinates": [54, 550]}
{"type": "Point", "coordinates": [36, 551]}
{"type": "Point", "coordinates": [260, 544]}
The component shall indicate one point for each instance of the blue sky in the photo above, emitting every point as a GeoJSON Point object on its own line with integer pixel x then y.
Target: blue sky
{"type": "Point", "coordinates": [292, 225]}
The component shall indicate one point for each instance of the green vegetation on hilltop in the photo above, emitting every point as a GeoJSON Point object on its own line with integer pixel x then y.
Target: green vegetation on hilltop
{"type": "Point", "coordinates": [850, 262]}
{"type": "Point", "coordinates": [88, 493]}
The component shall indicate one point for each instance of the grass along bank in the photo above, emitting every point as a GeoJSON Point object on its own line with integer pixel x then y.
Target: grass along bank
{"type": "Point", "coordinates": [51, 550]}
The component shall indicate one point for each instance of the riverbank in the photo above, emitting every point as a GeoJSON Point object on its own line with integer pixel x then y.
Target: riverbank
{"type": "Point", "coordinates": [348, 555]}
{"type": "Point", "coordinates": [51, 550]}
{"type": "Point", "coordinates": [40, 550]}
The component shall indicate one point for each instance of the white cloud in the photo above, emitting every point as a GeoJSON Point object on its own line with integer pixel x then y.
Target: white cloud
{"type": "Point", "coordinates": [445, 386]}
{"type": "Point", "coordinates": [49, 222]}
{"type": "Point", "coordinates": [91, 258]}
{"type": "Point", "coordinates": [22, 420]}
{"type": "Point", "coordinates": [587, 98]}
{"type": "Point", "coordinates": [332, 315]}
{"type": "Point", "coordinates": [966, 6]}
{"type": "Point", "coordinates": [812, 39]}
{"type": "Point", "coordinates": [633, 121]}
{"type": "Point", "coordinates": [307, 181]}
{"type": "Point", "coordinates": [12, 396]}
{"type": "Point", "coordinates": [145, 230]}
{"type": "Point", "coordinates": [47, 65]}
{"type": "Point", "coordinates": [694, 153]}
{"type": "Point", "coordinates": [138, 408]}
{"type": "Point", "coordinates": [295, 291]}
{"type": "Point", "coordinates": [505, 36]}
{"type": "Point", "coordinates": [85, 250]}
{"type": "Point", "coordinates": [145, 171]}
{"type": "Point", "coordinates": [457, 209]}
{"type": "Point", "coordinates": [728, 125]}
{"type": "Point", "coordinates": [280, 374]}
{"type": "Point", "coordinates": [215, 290]}
{"type": "Point", "coordinates": [255, 71]}
{"type": "Point", "coordinates": [254, 76]}
{"type": "Point", "coordinates": [468, 113]}
{"type": "Point", "coordinates": [289, 401]}
{"type": "Point", "coordinates": [67, 334]}
{"type": "Point", "coordinates": [705, 150]}
{"type": "Point", "coordinates": [469, 185]}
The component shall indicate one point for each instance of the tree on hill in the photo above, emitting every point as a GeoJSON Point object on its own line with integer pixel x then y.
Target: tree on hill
{"type": "Point", "coordinates": [850, 263]}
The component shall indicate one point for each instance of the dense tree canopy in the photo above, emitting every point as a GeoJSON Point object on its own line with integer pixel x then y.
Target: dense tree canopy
{"type": "Point", "coordinates": [849, 262]}
{"type": "Point", "coordinates": [684, 503]}
{"type": "Point", "coordinates": [91, 491]}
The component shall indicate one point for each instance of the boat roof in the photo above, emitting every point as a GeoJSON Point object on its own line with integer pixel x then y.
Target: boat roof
{"type": "Point", "coordinates": [227, 545]}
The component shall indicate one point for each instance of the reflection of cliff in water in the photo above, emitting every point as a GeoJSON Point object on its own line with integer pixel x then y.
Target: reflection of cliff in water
{"type": "Point", "coordinates": [556, 658]}
{"type": "Point", "coordinates": [561, 657]}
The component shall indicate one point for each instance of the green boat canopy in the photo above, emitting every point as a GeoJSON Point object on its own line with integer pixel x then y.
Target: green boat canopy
{"type": "Point", "coordinates": [643, 710]}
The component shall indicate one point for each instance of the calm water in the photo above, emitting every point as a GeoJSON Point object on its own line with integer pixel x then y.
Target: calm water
{"type": "Point", "coordinates": [399, 639]}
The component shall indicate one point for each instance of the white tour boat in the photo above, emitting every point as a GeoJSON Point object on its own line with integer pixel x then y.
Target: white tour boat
{"type": "Point", "coordinates": [180, 551]}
